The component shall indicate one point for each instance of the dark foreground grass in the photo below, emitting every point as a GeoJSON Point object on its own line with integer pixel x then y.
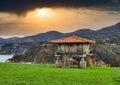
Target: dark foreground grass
{"type": "Point", "coordinates": [23, 74]}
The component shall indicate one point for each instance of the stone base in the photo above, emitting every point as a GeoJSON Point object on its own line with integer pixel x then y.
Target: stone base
{"type": "Point", "coordinates": [90, 62]}
{"type": "Point", "coordinates": [58, 63]}
{"type": "Point", "coordinates": [83, 63]}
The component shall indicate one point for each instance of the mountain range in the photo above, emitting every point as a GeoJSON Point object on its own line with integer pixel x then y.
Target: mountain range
{"type": "Point", "coordinates": [104, 33]}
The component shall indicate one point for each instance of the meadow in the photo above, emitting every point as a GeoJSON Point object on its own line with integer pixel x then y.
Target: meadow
{"type": "Point", "coordinates": [40, 74]}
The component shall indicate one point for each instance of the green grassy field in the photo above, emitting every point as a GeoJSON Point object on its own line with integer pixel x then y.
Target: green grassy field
{"type": "Point", "coordinates": [23, 74]}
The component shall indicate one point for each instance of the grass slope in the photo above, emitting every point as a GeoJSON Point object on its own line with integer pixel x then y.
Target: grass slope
{"type": "Point", "coordinates": [23, 74]}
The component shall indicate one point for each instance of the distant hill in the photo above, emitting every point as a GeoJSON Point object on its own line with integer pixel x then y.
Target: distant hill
{"type": "Point", "coordinates": [111, 30]}
{"type": "Point", "coordinates": [34, 38]}
{"type": "Point", "coordinates": [106, 32]}
{"type": "Point", "coordinates": [1, 39]}
{"type": "Point", "coordinates": [80, 32]}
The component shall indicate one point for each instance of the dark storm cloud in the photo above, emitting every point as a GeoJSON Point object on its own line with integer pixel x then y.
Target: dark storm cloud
{"type": "Point", "coordinates": [22, 6]}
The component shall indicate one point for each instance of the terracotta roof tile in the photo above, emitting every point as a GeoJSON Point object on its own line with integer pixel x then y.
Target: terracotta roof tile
{"type": "Point", "coordinates": [72, 39]}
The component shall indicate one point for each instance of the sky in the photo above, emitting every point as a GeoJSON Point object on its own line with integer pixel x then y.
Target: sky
{"type": "Point", "coordinates": [19, 18]}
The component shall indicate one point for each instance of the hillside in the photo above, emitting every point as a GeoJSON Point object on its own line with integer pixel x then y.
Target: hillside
{"type": "Point", "coordinates": [39, 53]}
{"type": "Point", "coordinates": [44, 53]}
{"type": "Point", "coordinates": [107, 47]}
{"type": "Point", "coordinates": [35, 38]}
{"type": "Point", "coordinates": [15, 48]}
{"type": "Point", "coordinates": [107, 32]}
{"type": "Point", "coordinates": [2, 40]}
{"type": "Point", "coordinates": [113, 30]}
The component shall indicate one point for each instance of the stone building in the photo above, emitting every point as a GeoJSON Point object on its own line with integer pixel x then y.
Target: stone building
{"type": "Point", "coordinates": [72, 51]}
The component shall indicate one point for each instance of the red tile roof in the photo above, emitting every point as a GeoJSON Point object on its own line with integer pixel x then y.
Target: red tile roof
{"type": "Point", "coordinates": [72, 39]}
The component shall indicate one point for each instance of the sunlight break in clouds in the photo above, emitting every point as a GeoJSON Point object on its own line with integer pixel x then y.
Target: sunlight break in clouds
{"type": "Point", "coordinates": [64, 20]}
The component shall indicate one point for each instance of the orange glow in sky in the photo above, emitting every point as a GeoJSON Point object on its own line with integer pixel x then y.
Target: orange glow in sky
{"type": "Point", "coordinates": [64, 20]}
{"type": "Point", "coordinates": [46, 19]}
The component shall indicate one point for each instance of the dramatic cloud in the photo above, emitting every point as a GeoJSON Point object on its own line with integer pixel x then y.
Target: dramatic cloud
{"type": "Point", "coordinates": [23, 6]}
{"type": "Point", "coordinates": [61, 15]}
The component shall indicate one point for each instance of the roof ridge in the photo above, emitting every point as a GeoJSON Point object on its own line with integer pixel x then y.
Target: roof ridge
{"type": "Point", "coordinates": [72, 39]}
